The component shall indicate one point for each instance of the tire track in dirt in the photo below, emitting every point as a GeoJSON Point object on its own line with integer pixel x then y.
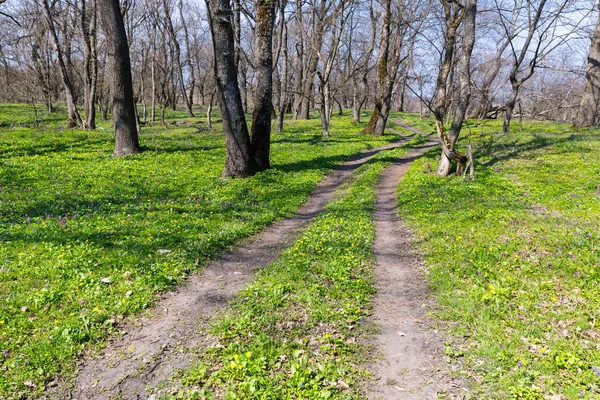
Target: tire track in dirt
{"type": "Point", "coordinates": [411, 363]}
{"type": "Point", "coordinates": [161, 342]}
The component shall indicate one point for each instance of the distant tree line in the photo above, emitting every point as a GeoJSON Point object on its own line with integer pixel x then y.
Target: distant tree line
{"type": "Point", "coordinates": [451, 59]}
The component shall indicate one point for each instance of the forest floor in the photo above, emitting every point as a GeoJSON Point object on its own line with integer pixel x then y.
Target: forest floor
{"type": "Point", "coordinates": [386, 282]}
{"type": "Point", "coordinates": [156, 346]}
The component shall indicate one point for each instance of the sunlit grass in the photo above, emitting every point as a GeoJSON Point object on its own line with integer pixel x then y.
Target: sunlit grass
{"type": "Point", "coordinates": [88, 239]}
{"type": "Point", "coordinates": [513, 258]}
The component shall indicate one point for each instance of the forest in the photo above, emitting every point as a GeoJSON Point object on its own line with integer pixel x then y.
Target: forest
{"type": "Point", "coordinates": [299, 199]}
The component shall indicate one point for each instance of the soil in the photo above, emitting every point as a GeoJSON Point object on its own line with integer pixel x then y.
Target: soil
{"type": "Point", "coordinates": [410, 363]}
{"type": "Point", "coordinates": [158, 344]}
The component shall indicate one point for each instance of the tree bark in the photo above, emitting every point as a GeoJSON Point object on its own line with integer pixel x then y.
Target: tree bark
{"type": "Point", "coordinates": [263, 95]}
{"type": "Point", "coordinates": [119, 76]}
{"type": "Point", "coordinates": [238, 162]}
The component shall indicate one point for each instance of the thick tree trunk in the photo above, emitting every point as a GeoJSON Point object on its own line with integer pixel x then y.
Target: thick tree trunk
{"type": "Point", "coordinates": [238, 162]}
{"type": "Point", "coordinates": [119, 77]}
{"type": "Point", "coordinates": [263, 95]}
{"type": "Point", "coordinates": [590, 99]}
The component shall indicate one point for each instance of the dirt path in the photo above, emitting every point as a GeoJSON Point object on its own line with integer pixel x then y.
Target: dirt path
{"type": "Point", "coordinates": [410, 367]}
{"type": "Point", "coordinates": [163, 341]}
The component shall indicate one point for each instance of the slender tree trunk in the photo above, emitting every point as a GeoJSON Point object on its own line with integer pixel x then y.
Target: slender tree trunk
{"type": "Point", "coordinates": [119, 76]}
{"type": "Point", "coordinates": [590, 99]}
{"type": "Point", "coordinates": [90, 63]}
{"type": "Point", "coordinates": [238, 162]}
{"type": "Point", "coordinates": [313, 60]}
{"type": "Point", "coordinates": [177, 56]}
{"type": "Point", "coordinates": [210, 108]}
{"type": "Point", "coordinates": [299, 74]}
{"type": "Point", "coordinates": [73, 113]}
{"type": "Point", "coordinates": [356, 104]}
{"type": "Point", "coordinates": [510, 108]}
{"type": "Point", "coordinates": [324, 109]}
{"type": "Point", "coordinates": [283, 97]}
{"type": "Point", "coordinates": [188, 51]}
{"type": "Point", "coordinates": [263, 61]}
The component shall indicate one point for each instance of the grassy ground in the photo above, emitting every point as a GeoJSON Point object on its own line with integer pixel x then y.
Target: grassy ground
{"type": "Point", "coordinates": [297, 331]}
{"type": "Point", "coordinates": [89, 239]}
{"type": "Point", "coordinates": [514, 258]}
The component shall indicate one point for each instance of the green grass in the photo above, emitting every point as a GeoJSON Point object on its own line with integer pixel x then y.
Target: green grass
{"type": "Point", "coordinates": [82, 231]}
{"type": "Point", "coordinates": [297, 331]}
{"type": "Point", "coordinates": [514, 259]}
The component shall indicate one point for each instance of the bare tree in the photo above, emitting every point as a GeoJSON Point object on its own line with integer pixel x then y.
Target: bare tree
{"type": "Point", "coordinates": [541, 37]}
{"type": "Point", "coordinates": [177, 56]}
{"type": "Point", "coordinates": [391, 55]}
{"type": "Point", "coordinates": [454, 15]}
{"type": "Point", "coordinates": [73, 112]}
{"type": "Point", "coordinates": [327, 94]}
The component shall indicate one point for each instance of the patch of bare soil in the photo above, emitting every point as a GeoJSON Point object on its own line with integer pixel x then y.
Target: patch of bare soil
{"type": "Point", "coordinates": [411, 365]}
{"type": "Point", "coordinates": [160, 343]}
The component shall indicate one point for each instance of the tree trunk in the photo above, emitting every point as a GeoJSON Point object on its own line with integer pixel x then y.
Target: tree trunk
{"type": "Point", "coordinates": [323, 110]}
{"type": "Point", "coordinates": [510, 108]}
{"type": "Point", "coordinates": [238, 162]}
{"type": "Point", "coordinates": [299, 73]}
{"type": "Point", "coordinates": [90, 63]}
{"type": "Point", "coordinates": [119, 76]}
{"type": "Point", "coordinates": [313, 60]}
{"type": "Point", "coordinates": [449, 140]}
{"type": "Point", "coordinates": [73, 113]}
{"type": "Point", "coordinates": [263, 61]}
{"type": "Point", "coordinates": [177, 56]}
{"type": "Point", "coordinates": [590, 99]}
{"type": "Point", "coordinates": [283, 97]}
{"type": "Point", "coordinates": [210, 107]}
{"type": "Point", "coordinates": [378, 116]}
{"type": "Point", "coordinates": [188, 60]}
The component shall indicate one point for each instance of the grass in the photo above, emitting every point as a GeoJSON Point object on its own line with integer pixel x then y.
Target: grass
{"type": "Point", "coordinates": [89, 239]}
{"type": "Point", "coordinates": [297, 331]}
{"type": "Point", "coordinates": [514, 259]}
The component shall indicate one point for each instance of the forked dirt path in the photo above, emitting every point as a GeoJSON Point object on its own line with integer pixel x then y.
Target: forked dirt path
{"type": "Point", "coordinates": [411, 354]}
{"type": "Point", "coordinates": [162, 342]}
